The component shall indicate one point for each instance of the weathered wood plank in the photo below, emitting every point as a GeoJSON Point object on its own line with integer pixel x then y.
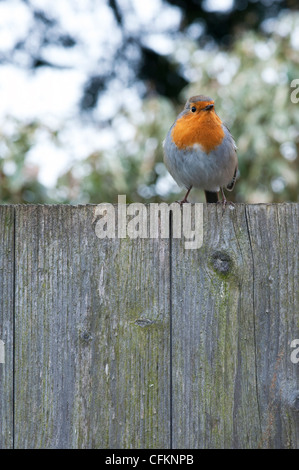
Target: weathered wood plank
{"type": "Point", "coordinates": [92, 334]}
{"type": "Point", "coordinates": [93, 339]}
{"type": "Point", "coordinates": [273, 232]}
{"type": "Point", "coordinates": [234, 314]}
{"type": "Point", "coordinates": [6, 325]}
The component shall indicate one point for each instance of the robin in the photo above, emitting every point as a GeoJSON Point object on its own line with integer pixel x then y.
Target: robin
{"type": "Point", "coordinates": [199, 150]}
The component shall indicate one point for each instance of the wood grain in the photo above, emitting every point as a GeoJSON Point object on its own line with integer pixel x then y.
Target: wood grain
{"type": "Point", "coordinates": [234, 314]}
{"type": "Point", "coordinates": [6, 324]}
{"type": "Point", "coordinates": [273, 232]}
{"type": "Point", "coordinates": [92, 334]}
{"type": "Point", "coordinates": [142, 343]}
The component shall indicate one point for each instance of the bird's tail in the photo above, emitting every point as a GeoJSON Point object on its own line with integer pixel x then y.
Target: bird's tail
{"type": "Point", "coordinates": [211, 196]}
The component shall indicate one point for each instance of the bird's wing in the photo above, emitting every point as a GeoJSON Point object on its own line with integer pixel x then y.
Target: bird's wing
{"type": "Point", "coordinates": [231, 185]}
{"type": "Point", "coordinates": [230, 134]}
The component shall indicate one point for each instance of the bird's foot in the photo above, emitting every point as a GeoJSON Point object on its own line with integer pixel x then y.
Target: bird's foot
{"type": "Point", "coordinates": [226, 203]}
{"type": "Point", "coordinates": [183, 201]}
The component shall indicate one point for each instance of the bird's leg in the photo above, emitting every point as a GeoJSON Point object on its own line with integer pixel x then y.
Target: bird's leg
{"type": "Point", "coordinates": [224, 201]}
{"type": "Point", "coordinates": [185, 198]}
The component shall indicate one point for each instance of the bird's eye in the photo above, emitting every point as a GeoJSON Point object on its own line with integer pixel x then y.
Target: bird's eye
{"type": "Point", "coordinates": [193, 109]}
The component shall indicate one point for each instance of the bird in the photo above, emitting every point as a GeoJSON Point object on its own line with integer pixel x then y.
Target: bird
{"type": "Point", "coordinates": [200, 152]}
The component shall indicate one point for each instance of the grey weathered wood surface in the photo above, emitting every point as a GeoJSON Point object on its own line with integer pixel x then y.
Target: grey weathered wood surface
{"type": "Point", "coordinates": [6, 325]}
{"type": "Point", "coordinates": [92, 334]}
{"type": "Point", "coordinates": [120, 343]}
{"type": "Point", "coordinates": [235, 311]}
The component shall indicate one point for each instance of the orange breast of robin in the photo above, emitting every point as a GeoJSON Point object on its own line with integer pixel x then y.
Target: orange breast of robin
{"type": "Point", "coordinates": [203, 128]}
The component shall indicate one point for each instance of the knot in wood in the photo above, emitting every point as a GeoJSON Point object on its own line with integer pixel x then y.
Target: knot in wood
{"type": "Point", "coordinates": [86, 336]}
{"type": "Point", "coordinates": [221, 262]}
{"type": "Point", "coordinates": [144, 322]}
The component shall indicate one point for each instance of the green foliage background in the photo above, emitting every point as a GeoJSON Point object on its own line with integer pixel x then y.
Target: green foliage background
{"type": "Point", "coordinates": [251, 83]}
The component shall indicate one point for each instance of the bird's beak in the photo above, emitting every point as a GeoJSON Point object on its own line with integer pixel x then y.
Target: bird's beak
{"type": "Point", "coordinates": [207, 108]}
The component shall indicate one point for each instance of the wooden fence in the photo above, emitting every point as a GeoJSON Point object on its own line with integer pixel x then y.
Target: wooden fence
{"type": "Point", "coordinates": [142, 343]}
